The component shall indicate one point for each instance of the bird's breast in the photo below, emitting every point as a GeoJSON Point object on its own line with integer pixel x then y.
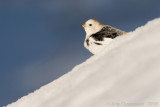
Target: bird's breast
{"type": "Point", "coordinates": [96, 46]}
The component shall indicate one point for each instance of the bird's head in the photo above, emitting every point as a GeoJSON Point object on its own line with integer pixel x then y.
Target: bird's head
{"type": "Point", "coordinates": [92, 26]}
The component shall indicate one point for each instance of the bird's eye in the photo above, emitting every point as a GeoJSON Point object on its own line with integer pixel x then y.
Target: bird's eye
{"type": "Point", "coordinates": [90, 24]}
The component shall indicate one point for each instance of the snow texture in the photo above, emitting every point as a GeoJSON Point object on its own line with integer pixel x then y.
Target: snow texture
{"type": "Point", "coordinates": [125, 74]}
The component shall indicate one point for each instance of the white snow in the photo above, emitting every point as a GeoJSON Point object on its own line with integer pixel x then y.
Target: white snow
{"type": "Point", "coordinates": [126, 74]}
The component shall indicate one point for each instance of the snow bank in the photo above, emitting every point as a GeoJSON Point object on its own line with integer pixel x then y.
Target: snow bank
{"type": "Point", "coordinates": [127, 73]}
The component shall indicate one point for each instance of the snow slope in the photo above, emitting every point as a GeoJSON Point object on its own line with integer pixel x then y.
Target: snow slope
{"type": "Point", "coordinates": [126, 74]}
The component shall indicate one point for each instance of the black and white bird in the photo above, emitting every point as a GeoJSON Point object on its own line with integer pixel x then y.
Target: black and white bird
{"type": "Point", "coordinates": [99, 35]}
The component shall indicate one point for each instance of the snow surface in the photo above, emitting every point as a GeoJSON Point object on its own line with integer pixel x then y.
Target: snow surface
{"type": "Point", "coordinates": [126, 74]}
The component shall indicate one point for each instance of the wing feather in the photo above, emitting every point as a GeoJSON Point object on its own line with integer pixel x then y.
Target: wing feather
{"type": "Point", "coordinates": [107, 32]}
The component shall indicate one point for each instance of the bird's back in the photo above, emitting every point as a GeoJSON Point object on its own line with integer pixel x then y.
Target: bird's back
{"type": "Point", "coordinates": [107, 32]}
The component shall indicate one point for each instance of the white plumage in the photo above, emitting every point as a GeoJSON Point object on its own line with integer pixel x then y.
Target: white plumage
{"type": "Point", "coordinates": [99, 35]}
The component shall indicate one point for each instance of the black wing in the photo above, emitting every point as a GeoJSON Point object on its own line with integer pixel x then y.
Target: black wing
{"type": "Point", "coordinates": [107, 32]}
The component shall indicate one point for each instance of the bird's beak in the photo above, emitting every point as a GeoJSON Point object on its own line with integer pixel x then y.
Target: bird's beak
{"type": "Point", "coordinates": [84, 25]}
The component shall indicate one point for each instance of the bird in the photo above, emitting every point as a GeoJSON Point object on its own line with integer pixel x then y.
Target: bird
{"type": "Point", "coordinates": [99, 35]}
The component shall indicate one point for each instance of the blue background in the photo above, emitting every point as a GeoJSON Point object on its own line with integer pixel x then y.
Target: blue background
{"type": "Point", "coordinates": [40, 40]}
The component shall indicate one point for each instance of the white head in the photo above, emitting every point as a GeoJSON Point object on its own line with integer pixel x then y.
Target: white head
{"type": "Point", "coordinates": [92, 26]}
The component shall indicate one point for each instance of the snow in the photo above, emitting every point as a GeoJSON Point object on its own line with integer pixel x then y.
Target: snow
{"type": "Point", "coordinates": [125, 74]}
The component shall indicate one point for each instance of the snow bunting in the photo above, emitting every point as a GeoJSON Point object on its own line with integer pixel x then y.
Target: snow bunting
{"type": "Point", "coordinates": [99, 35]}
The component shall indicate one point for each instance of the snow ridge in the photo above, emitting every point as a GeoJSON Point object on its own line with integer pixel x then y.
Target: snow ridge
{"type": "Point", "coordinates": [127, 72]}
